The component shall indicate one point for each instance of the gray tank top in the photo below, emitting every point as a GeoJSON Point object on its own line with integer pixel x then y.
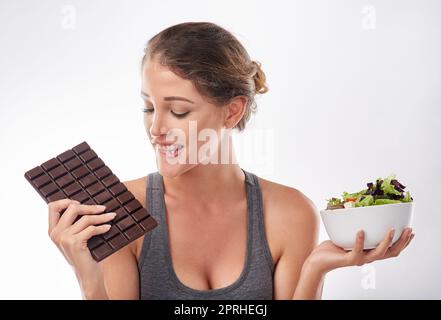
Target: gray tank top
{"type": "Point", "coordinates": [158, 279]}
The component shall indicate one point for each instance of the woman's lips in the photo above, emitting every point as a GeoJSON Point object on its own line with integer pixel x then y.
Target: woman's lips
{"type": "Point", "coordinates": [169, 150]}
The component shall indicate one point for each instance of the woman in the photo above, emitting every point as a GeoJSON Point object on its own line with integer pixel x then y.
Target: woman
{"type": "Point", "coordinates": [223, 233]}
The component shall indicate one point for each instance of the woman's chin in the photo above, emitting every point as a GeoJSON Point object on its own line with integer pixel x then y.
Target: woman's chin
{"type": "Point", "coordinates": [171, 170]}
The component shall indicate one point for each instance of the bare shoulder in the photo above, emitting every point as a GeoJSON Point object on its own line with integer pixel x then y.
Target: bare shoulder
{"type": "Point", "coordinates": [289, 203]}
{"type": "Point", "coordinates": [291, 218]}
{"type": "Point", "coordinates": [138, 188]}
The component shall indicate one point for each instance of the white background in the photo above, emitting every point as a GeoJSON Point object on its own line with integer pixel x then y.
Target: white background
{"type": "Point", "coordinates": [349, 101]}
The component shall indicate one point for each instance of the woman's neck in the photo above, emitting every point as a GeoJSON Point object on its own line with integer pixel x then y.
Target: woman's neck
{"type": "Point", "coordinates": [208, 183]}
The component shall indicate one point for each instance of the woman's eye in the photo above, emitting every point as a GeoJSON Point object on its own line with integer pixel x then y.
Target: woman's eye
{"type": "Point", "coordinates": [180, 115]}
{"type": "Point", "coordinates": [147, 110]}
{"type": "Point", "coordinates": [177, 115]}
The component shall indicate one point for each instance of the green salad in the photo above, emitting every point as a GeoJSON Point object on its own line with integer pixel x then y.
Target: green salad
{"type": "Point", "coordinates": [383, 191]}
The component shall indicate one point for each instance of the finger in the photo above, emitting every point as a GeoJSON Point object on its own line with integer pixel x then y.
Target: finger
{"type": "Point", "coordinates": [410, 240]}
{"type": "Point", "coordinates": [381, 249]}
{"type": "Point", "coordinates": [91, 231]}
{"type": "Point", "coordinates": [398, 246]}
{"type": "Point", "coordinates": [359, 242]}
{"type": "Point", "coordinates": [55, 208]}
{"type": "Point", "coordinates": [74, 210]}
{"type": "Point", "coordinates": [89, 220]}
{"type": "Point", "coordinates": [356, 255]}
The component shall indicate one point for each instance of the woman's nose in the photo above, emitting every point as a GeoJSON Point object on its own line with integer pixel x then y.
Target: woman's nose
{"type": "Point", "coordinates": [158, 126]}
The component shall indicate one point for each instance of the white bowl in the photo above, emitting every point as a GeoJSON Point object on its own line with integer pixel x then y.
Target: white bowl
{"type": "Point", "coordinates": [342, 225]}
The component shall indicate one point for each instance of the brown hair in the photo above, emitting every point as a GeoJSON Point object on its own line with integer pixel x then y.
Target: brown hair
{"type": "Point", "coordinates": [213, 59]}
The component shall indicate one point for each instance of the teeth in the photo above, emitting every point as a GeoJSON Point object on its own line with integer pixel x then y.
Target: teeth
{"type": "Point", "coordinates": [170, 148]}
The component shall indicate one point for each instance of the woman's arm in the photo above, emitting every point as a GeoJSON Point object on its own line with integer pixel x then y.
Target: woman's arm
{"type": "Point", "coordinates": [293, 218]}
{"type": "Point", "coordinates": [327, 257]}
{"type": "Point", "coordinates": [310, 285]}
{"type": "Point", "coordinates": [121, 276]}
{"type": "Point", "coordinates": [302, 266]}
{"type": "Point", "coordinates": [120, 270]}
{"type": "Point", "coordinates": [70, 235]}
{"type": "Point", "coordinates": [116, 277]}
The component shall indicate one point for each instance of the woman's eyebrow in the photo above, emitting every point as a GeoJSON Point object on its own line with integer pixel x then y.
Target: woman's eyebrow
{"type": "Point", "coordinates": [146, 96]}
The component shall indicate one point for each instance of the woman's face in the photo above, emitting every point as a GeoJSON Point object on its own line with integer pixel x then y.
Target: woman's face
{"type": "Point", "coordinates": [174, 115]}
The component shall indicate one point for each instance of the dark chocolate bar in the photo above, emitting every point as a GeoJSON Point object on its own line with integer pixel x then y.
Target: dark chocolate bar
{"type": "Point", "coordinates": [81, 175]}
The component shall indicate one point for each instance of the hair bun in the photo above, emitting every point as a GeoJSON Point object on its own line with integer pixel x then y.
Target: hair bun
{"type": "Point", "coordinates": [259, 79]}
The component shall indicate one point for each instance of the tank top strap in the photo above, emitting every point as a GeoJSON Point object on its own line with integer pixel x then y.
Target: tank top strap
{"type": "Point", "coordinates": [260, 247]}
{"type": "Point", "coordinates": [154, 194]}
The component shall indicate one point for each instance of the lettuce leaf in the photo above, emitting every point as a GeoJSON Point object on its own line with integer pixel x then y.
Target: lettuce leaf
{"type": "Point", "coordinates": [385, 201]}
{"type": "Point", "coordinates": [389, 188]}
{"type": "Point", "coordinates": [366, 201]}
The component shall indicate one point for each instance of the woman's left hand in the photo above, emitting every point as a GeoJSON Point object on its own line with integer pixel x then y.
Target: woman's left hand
{"type": "Point", "coordinates": [327, 256]}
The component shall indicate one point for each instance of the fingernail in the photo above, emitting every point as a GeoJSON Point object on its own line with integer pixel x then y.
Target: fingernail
{"type": "Point", "coordinates": [112, 214]}
{"type": "Point", "coordinates": [360, 233]}
{"type": "Point", "coordinates": [101, 207]}
{"type": "Point", "coordinates": [392, 232]}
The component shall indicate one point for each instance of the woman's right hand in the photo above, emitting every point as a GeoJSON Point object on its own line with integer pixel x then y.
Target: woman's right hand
{"type": "Point", "coordinates": [71, 236]}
